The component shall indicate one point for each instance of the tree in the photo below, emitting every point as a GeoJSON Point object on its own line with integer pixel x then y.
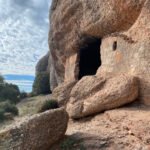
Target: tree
{"type": "Point", "coordinates": [23, 95]}
{"type": "Point", "coordinates": [10, 92]}
{"type": "Point", "coordinates": [1, 82]}
{"type": "Point", "coordinates": [41, 84]}
{"type": "Point", "coordinates": [1, 79]}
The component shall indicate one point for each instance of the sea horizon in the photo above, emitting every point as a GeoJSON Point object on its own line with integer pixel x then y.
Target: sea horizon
{"type": "Point", "coordinates": [24, 82]}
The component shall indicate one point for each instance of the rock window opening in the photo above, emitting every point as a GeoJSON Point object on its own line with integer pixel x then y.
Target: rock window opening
{"type": "Point", "coordinates": [115, 46]}
{"type": "Point", "coordinates": [89, 58]}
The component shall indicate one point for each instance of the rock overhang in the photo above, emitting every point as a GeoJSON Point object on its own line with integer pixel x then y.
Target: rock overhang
{"type": "Point", "coordinates": [123, 28]}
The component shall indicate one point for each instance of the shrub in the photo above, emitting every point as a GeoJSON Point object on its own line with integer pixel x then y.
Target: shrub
{"type": "Point", "coordinates": [11, 109]}
{"type": "Point", "coordinates": [8, 107]}
{"type": "Point", "coordinates": [23, 95]}
{"type": "Point", "coordinates": [2, 115]}
{"type": "Point", "coordinates": [31, 94]}
{"type": "Point", "coordinates": [9, 92]}
{"type": "Point", "coordinates": [72, 143]}
{"type": "Point", "coordinates": [49, 104]}
{"type": "Point", "coordinates": [41, 84]}
{"type": "Point", "coordinates": [1, 79]}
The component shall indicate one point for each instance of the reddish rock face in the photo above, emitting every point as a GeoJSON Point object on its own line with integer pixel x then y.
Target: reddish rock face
{"type": "Point", "coordinates": [132, 54]}
{"type": "Point", "coordinates": [122, 28]}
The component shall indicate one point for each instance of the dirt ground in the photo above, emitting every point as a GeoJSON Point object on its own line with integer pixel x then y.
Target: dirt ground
{"type": "Point", "coordinates": [126, 128]}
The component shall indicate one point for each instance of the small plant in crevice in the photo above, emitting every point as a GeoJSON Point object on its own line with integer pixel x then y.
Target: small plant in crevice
{"type": "Point", "coordinates": [49, 104]}
{"type": "Point", "coordinates": [72, 144]}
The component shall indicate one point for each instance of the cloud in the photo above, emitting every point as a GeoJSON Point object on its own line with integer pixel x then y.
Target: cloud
{"type": "Point", "coordinates": [23, 34]}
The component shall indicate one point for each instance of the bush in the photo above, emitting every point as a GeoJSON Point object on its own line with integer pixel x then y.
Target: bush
{"type": "Point", "coordinates": [31, 94]}
{"type": "Point", "coordinates": [8, 107]}
{"type": "Point", "coordinates": [11, 109]}
{"type": "Point", "coordinates": [1, 79]}
{"type": "Point", "coordinates": [72, 143]}
{"type": "Point", "coordinates": [9, 92]}
{"type": "Point", "coordinates": [49, 104]}
{"type": "Point", "coordinates": [2, 115]}
{"type": "Point", "coordinates": [41, 84]}
{"type": "Point", "coordinates": [23, 95]}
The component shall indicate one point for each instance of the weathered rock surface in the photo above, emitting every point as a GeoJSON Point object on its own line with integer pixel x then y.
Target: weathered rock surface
{"type": "Point", "coordinates": [125, 23]}
{"type": "Point", "coordinates": [94, 94]}
{"type": "Point", "coordinates": [62, 93]}
{"type": "Point", "coordinates": [38, 132]}
{"type": "Point", "coordinates": [125, 128]}
{"type": "Point", "coordinates": [72, 22]}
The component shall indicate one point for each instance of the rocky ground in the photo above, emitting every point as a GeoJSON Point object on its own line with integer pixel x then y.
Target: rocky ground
{"type": "Point", "coordinates": [126, 128]}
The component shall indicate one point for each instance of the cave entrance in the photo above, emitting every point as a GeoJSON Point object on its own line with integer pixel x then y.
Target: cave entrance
{"type": "Point", "coordinates": [89, 58]}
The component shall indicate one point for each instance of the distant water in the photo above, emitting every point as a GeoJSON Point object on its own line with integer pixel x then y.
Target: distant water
{"type": "Point", "coordinates": [24, 82]}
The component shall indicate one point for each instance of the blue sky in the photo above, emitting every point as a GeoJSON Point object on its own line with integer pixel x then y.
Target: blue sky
{"type": "Point", "coordinates": [24, 29]}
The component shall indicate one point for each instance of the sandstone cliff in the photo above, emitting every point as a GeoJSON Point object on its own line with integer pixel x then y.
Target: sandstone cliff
{"type": "Point", "coordinates": [122, 29]}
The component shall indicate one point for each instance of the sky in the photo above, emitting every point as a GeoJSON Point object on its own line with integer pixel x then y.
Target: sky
{"type": "Point", "coordinates": [24, 29]}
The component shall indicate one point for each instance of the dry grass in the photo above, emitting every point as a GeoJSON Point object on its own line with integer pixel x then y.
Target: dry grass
{"type": "Point", "coordinates": [30, 106]}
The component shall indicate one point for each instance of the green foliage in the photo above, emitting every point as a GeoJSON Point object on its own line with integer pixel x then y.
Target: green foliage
{"type": "Point", "coordinates": [31, 94]}
{"type": "Point", "coordinates": [49, 104]}
{"type": "Point", "coordinates": [41, 84]}
{"type": "Point", "coordinates": [8, 107]}
{"type": "Point", "coordinates": [23, 95]}
{"type": "Point", "coordinates": [1, 79]}
{"type": "Point", "coordinates": [72, 144]}
{"type": "Point", "coordinates": [9, 92]}
{"type": "Point", "coordinates": [1, 82]}
{"type": "Point", "coordinates": [2, 115]}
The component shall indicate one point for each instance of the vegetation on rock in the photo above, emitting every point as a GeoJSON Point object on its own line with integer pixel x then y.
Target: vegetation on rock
{"type": "Point", "coordinates": [49, 104]}
{"type": "Point", "coordinates": [72, 143]}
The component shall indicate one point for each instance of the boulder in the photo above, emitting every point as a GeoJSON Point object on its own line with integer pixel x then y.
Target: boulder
{"type": "Point", "coordinates": [62, 93]}
{"type": "Point", "coordinates": [94, 94]}
{"type": "Point", "coordinates": [38, 132]}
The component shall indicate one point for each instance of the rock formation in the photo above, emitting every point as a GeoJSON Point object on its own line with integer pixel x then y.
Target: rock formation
{"type": "Point", "coordinates": [93, 94]}
{"type": "Point", "coordinates": [62, 93]}
{"type": "Point", "coordinates": [99, 38]}
{"type": "Point", "coordinates": [42, 65]}
{"type": "Point", "coordinates": [38, 132]}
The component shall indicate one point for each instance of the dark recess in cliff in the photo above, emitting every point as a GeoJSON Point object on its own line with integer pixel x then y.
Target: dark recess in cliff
{"type": "Point", "coordinates": [89, 58]}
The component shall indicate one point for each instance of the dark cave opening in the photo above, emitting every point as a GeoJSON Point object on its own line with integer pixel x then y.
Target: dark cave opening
{"type": "Point", "coordinates": [89, 58]}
